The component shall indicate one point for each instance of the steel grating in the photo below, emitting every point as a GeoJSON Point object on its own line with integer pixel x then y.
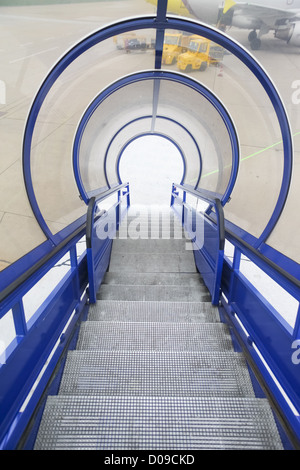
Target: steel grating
{"type": "Point", "coordinates": [140, 311]}
{"type": "Point", "coordinates": [151, 246]}
{"type": "Point", "coordinates": [156, 374]}
{"type": "Point", "coordinates": [153, 263]}
{"type": "Point", "coordinates": [116, 336]}
{"type": "Point", "coordinates": [153, 293]}
{"type": "Point", "coordinates": [149, 230]}
{"type": "Point", "coordinates": [153, 233]}
{"type": "Point", "coordinates": [157, 423]}
{"type": "Point", "coordinates": [152, 371]}
{"type": "Point", "coordinates": [147, 279]}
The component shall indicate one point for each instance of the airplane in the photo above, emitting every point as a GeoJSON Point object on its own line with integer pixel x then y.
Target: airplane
{"type": "Point", "coordinates": [261, 16]}
{"type": "Point", "coordinates": [176, 7]}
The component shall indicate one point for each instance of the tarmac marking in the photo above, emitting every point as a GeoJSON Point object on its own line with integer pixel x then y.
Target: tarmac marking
{"type": "Point", "coordinates": [33, 55]}
{"type": "Point", "coordinates": [250, 156]}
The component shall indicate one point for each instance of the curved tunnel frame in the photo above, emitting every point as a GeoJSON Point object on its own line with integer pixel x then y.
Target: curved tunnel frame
{"type": "Point", "coordinates": [155, 134]}
{"type": "Point", "coordinates": [172, 140]}
{"type": "Point", "coordinates": [86, 195]}
{"type": "Point", "coordinates": [161, 23]}
{"type": "Point", "coordinates": [175, 143]}
{"type": "Point", "coordinates": [157, 75]}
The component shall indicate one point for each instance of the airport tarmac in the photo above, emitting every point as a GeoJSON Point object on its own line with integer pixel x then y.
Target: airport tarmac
{"type": "Point", "coordinates": [33, 38]}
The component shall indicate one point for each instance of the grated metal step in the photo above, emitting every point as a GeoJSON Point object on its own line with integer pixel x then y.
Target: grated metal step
{"type": "Point", "coordinates": [153, 233]}
{"type": "Point", "coordinates": [117, 336]}
{"type": "Point", "coordinates": [152, 218]}
{"type": "Point", "coordinates": [148, 279]}
{"type": "Point", "coordinates": [152, 293]}
{"type": "Point", "coordinates": [150, 213]}
{"type": "Point", "coordinates": [156, 374]}
{"type": "Point", "coordinates": [157, 423]}
{"type": "Point", "coordinates": [153, 263]}
{"type": "Point", "coordinates": [151, 228]}
{"type": "Point", "coordinates": [151, 246]}
{"type": "Point", "coordinates": [140, 311]}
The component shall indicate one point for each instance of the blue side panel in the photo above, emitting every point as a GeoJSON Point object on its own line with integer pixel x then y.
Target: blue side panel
{"type": "Point", "coordinates": [29, 361]}
{"type": "Point", "coordinates": [205, 268]}
{"type": "Point", "coordinates": [207, 253]}
{"type": "Point", "coordinates": [101, 230]}
{"type": "Point", "coordinates": [207, 236]}
{"type": "Point", "coordinates": [21, 266]}
{"type": "Point", "coordinates": [99, 245]}
{"type": "Point", "coordinates": [266, 331]}
{"type": "Point", "coordinates": [98, 267]}
{"type": "Point", "coordinates": [24, 364]}
{"type": "Point", "coordinates": [103, 263]}
{"type": "Point", "coordinates": [269, 334]}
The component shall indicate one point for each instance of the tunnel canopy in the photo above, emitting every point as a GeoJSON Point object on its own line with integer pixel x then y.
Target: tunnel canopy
{"type": "Point", "coordinates": [103, 94]}
{"type": "Point", "coordinates": [217, 105]}
{"type": "Point", "coordinates": [142, 104]}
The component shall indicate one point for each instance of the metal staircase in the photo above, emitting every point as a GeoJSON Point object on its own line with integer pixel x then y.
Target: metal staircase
{"type": "Point", "coordinates": [155, 368]}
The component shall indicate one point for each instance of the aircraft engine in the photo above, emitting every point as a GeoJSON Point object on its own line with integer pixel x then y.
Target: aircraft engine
{"type": "Point", "coordinates": [290, 34]}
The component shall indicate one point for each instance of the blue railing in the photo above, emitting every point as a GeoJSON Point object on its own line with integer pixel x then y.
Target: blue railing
{"type": "Point", "coordinates": [270, 341]}
{"type": "Point", "coordinates": [207, 236]}
{"type": "Point", "coordinates": [41, 328]}
{"type": "Point", "coordinates": [29, 360]}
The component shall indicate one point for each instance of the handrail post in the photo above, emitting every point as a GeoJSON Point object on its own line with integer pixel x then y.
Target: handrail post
{"type": "Point", "coordinates": [220, 256]}
{"type": "Point", "coordinates": [183, 203]}
{"type": "Point", "coordinates": [118, 209]}
{"type": "Point", "coordinates": [74, 265]}
{"type": "Point", "coordinates": [19, 319]}
{"type": "Point", "coordinates": [89, 249]}
{"type": "Point", "coordinates": [128, 196]}
{"type": "Point", "coordinates": [172, 195]}
{"type": "Point", "coordinates": [297, 325]}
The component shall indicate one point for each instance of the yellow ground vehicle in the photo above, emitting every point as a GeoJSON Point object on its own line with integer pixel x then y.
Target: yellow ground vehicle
{"type": "Point", "coordinates": [133, 42]}
{"type": "Point", "coordinates": [174, 44]}
{"type": "Point", "coordinates": [201, 53]}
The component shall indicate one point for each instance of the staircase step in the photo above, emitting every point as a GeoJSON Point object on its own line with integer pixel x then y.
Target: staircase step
{"type": "Point", "coordinates": [153, 213]}
{"type": "Point", "coordinates": [153, 263]}
{"type": "Point", "coordinates": [154, 367]}
{"type": "Point", "coordinates": [148, 279]}
{"type": "Point", "coordinates": [149, 220]}
{"type": "Point", "coordinates": [156, 374]}
{"type": "Point", "coordinates": [140, 311]}
{"type": "Point", "coordinates": [149, 293]}
{"type": "Point", "coordinates": [157, 423]}
{"type": "Point", "coordinates": [153, 219]}
{"type": "Point", "coordinates": [153, 233]}
{"type": "Point", "coordinates": [151, 246]}
{"type": "Point", "coordinates": [138, 336]}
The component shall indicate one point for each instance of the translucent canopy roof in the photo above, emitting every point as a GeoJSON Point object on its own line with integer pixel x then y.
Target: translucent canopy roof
{"type": "Point", "coordinates": [148, 107]}
{"type": "Point", "coordinates": [116, 85]}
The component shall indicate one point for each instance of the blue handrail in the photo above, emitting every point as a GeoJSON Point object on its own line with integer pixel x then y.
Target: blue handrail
{"type": "Point", "coordinates": [28, 362]}
{"type": "Point", "coordinates": [268, 339]}
{"type": "Point", "coordinates": [270, 343]}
